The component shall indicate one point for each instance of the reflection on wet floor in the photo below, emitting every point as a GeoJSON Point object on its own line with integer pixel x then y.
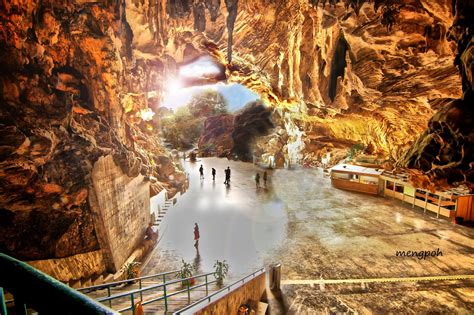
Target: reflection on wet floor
{"type": "Point", "coordinates": [237, 222]}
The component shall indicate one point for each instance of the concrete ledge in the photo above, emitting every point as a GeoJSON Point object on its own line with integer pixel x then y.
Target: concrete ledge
{"type": "Point", "coordinates": [229, 304]}
{"type": "Point", "coordinates": [73, 267]}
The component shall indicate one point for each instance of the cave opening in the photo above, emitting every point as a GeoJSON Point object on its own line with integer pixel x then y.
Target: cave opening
{"type": "Point", "coordinates": [202, 117]}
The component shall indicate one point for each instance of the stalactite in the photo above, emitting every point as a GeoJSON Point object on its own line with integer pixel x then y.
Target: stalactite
{"type": "Point", "coordinates": [213, 6]}
{"type": "Point", "coordinates": [199, 13]}
{"type": "Point", "coordinates": [178, 8]}
{"type": "Point", "coordinates": [232, 9]}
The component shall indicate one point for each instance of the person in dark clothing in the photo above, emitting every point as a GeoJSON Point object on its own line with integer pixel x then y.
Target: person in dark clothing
{"type": "Point", "coordinates": [227, 176]}
{"type": "Point", "coordinates": [213, 174]}
{"type": "Point", "coordinates": [196, 235]}
{"type": "Point", "coordinates": [150, 233]}
{"type": "Point", "coordinates": [201, 172]}
{"type": "Point", "coordinates": [257, 180]}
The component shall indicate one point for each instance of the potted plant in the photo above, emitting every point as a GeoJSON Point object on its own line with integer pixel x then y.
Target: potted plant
{"type": "Point", "coordinates": [132, 270]}
{"type": "Point", "coordinates": [186, 271]}
{"type": "Point", "coordinates": [222, 268]}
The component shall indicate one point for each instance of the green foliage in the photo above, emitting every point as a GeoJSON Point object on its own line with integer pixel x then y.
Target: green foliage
{"type": "Point", "coordinates": [184, 128]}
{"type": "Point", "coordinates": [186, 271]}
{"type": "Point", "coordinates": [207, 103]}
{"type": "Point", "coordinates": [132, 269]}
{"type": "Point", "coordinates": [355, 149]}
{"type": "Point", "coordinates": [221, 270]}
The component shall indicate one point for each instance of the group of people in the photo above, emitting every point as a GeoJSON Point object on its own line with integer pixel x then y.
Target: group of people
{"type": "Point", "coordinates": [257, 179]}
{"type": "Point", "coordinates": [213, 172]}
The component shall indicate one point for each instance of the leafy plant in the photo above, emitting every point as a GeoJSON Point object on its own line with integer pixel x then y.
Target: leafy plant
{"type": "Point", "coordinates": [186, 271]}
{"type": "Point", "coordinates": [132, 269]}
{"type": "Point", "coordinates": [222, 269]}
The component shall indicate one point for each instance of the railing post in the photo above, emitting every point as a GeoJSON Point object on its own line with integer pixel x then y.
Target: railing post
{"type": "Point", "coordinates": [108, 295]}
{"type": "Point", "coordinates": [189, 292]}
{"type": "Point", "coordinates": [3, 306]}
{"type": "Point", "coordinates": [133, 303]}
{"type": "Point", "coordinates": [164, 277]}
{"type": "Point", "coordinates": [166, 298]}
{"type": "Point", "coordinates": [140, 287]}
{"type": "Point", "coordinates": [207, 290]}
{"type": "Point", "coordinates": [20, 307]}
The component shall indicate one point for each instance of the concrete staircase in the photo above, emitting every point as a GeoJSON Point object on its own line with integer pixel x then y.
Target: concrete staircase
{"type": "Point", "coordinates": [163, 209]}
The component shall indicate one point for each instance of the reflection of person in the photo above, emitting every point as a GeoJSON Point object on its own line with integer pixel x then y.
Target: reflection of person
{"type": "Point", "coordinates": [196, 235]}
{"type": "Point", "coordinates": [257, 180]}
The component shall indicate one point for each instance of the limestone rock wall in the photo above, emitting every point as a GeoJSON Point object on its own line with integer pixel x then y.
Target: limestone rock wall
{"type": "Point", "coordinates": [444, 153]}
{"type": "Point", "coordinates": [337, 73]}
{"type": "Point", "coordinates": [121, 207]}
{"type": "Point", "coordinates": [71, 92]}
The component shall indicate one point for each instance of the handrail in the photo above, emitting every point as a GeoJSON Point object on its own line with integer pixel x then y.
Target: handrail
{"type": "Point", "coordinates": [105, 285]}
{"type": "Point", "coordinates": [136, 291]}
{"type": "Point", "coordinates": [164, 297]}
{"type": "Point", "coordinates": [208, 298]}
{"type": "Point", "coordinates": [44, 293]}
{"type": "Point", "coordinates": [169, 295]}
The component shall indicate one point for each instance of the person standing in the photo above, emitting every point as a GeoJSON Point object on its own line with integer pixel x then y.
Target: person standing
{"type": "Point", "coordinates": [227, 176]}
{"type": "Point", "coordinates": [257, 180]}
{"type": "Point", "coordinates": [265, 179]}
{"type": "Point", "coordinates": [196, 235]}
{"type": "Point", "coordinates": [213, 174]}
{"type": "Point", "coordinates": [201, 172]}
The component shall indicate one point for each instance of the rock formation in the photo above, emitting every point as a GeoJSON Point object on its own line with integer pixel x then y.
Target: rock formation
{"type": "Point", "coordinates": [444, 153]}
{"type": "Point", "coordinates": [81, 80]}
{"type": "Point", "coordinates": [71, 92]}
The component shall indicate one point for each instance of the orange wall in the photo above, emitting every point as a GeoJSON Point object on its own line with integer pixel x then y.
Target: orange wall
{"type": "Point", "coordinates": [465, 208]}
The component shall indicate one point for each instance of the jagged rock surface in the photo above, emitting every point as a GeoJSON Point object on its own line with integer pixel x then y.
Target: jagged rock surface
{"type": "Point", "coordinates": [444, 153]}
{"type": "Point", "coordinates": [343, 72]}
{"type": "Point", "coordinates": [77, 78]}
{"type": "Point", "coordinates": [70, 93]}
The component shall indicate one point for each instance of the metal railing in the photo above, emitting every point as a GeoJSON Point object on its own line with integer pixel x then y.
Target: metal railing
{"type": "Point", "coordinates": [165, 289]}
{"type": "Point", "coordinates": [198, 305]}
{"type": "Point", "coordinates": [35, 289]}
{"type": "Point", "coordinates": [109, 286]}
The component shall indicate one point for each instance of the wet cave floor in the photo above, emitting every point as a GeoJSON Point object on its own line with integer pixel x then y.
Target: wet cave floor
{"type": "Point", "coordinates": [314, 231]}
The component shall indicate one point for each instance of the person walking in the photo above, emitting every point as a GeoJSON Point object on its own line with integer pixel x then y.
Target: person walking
{"type": "Point", "coordinates": [213, 174]}
{"type": "Point", "coordinates": [227, 176]}
{"type": "Point", "coordinates": [201, 172]}
{"type": "Point", "coordinates": [196, 235]}
{"type": "Point", "coordinates": [265, 179]}
{"type": "Point", "coordinates": [257, 180]}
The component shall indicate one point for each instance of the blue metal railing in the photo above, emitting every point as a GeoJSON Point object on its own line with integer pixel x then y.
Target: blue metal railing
{"type": "Point", "coordinates": [109, 286]}
{"type": "Point", "coordinates": [166, 295]}
{"type": "Point", "coordinates": [35, 289]}
{"type": "Point", "coordinates": [200, 304]}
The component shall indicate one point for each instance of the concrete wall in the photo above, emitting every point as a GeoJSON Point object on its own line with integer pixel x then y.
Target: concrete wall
{"type": "Point", "coordinates": [73, 267]}
{"type": "Point", "coordinates": [229, 304]}
{"type": "Point", "coordinates": [121, 207]}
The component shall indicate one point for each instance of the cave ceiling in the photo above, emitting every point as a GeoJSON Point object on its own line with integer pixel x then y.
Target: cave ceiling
{"type": "Point", "coordinates": [82, 79]}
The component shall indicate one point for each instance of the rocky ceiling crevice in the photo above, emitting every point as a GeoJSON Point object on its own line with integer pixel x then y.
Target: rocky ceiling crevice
{"type": "Point", "coordinates": [342, 72]}
{"type": "Point", "coordinates": [80, 80]}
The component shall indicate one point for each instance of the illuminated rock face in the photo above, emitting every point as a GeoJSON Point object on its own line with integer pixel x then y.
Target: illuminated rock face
{"type": "Point", "coordinates": [76, 79]}
{"type": "Point", "coordinates": [70, 93]}
{"type": "Point", "coordinates": [337, 73]}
